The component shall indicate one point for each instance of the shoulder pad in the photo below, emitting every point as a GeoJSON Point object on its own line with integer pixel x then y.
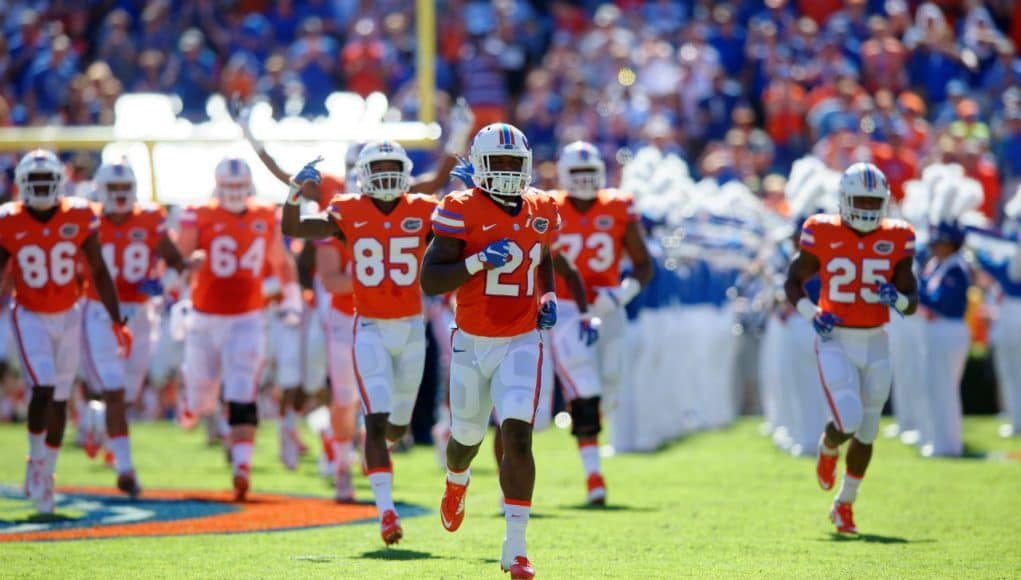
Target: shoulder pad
{"type": "Point", "coordinates": [896, 224]}
{"type": "Point", "coordinates": [10, 208]}
{"type": "Point", "coordinates": [74, 202]}
{"type": "Point", "coordinates": [422, 198]}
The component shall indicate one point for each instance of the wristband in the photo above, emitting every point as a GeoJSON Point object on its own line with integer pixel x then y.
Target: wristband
{"type": "Point", "coordinates": [629, 288]}
{"type": "Point", "coordinates": [474, 264]}
{"type": "Point", "coordinates": [294, 195]}
{"type": "Point", "coordinates": [806, 309]}
{"type": "Point", "coordinates": [901, 303]}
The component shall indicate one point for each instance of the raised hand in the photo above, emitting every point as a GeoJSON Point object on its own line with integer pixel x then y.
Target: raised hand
{"type": "Point", "coordinates": [309, 173]}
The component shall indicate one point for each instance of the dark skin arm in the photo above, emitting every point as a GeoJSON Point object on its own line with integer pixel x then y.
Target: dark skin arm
{"type": "Point", "coordinates": [803, 267]}
{"type": "Point", "coordinates": [101, 277]}
{"type": "Point", "coordinates": [575, 284]}
{"type": "Point", "coordinates": [315, 227]}
{"type": "Point", "coordinates": [167, 249]}
{"type": "Point", "coordinates": [547, 274]}
{"type": "Point", "coordinates": [638, 250]}
{"type": "Point", "coordinates": [4, 257]}
{"type": "Point", "coordinates": [906, 283]}
{"type": "Point", "coordinates": [443, 268]}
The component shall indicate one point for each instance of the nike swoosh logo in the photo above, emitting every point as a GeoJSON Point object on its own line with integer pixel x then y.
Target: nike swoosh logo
{"type": "Point", "coordinates": [458, 350]}
{"type": "Point", "coordinates": [367, 323]}
{"type": "Point", "coordinates": [20, 235]}
{"type": "Point", "coordinates": [489, 227]}
{"type": "Point", "coordinates": [836, 244]}
{"type": "Point", "coordinates": [360, 224]}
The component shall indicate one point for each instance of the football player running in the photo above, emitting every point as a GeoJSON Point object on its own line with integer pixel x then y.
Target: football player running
{"type": "Point", "coordinates": [599, 226]}
{"type": "Point", "coordinates": [235, 237]}
{"type": "Point", "coordinates": [46, 235]}
{"type": "Point", "coordinates": [132, 236]}
{"type": "Point", "coordinates": [492, 246]}
{"type": "Point", "coordinates": [864, 263]}
{"type": "Point", "coordinates": [385, 229]}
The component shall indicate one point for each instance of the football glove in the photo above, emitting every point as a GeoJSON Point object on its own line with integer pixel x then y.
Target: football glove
{"type": "Point", "coordinates": [609, 299]}
{"type": "Point", "coordinates": [151, 287]}
{"type": "Point", "coordinates": [823, 323]}
{"type": "Point", "coordinates": [462, 120]}
{"type": "Point", "coordinates": [588, 329]}
{"type": "Point", "coordinates": [464, 171]}
{"type": "Point", "coordinates": [309, 173]}
{"type": "Point", "coordinates": [493, 256]}
{"type": "Point", "coordinates": [890, 296]}
{"type": "Point", "coordinates": [124, 339]}
{"type": "Point", "coordinates": [547, 318]}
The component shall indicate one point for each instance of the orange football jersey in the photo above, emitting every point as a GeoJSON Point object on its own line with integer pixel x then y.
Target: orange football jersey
{"type": "Point", "coordinates": [386, 250]}
{"type": "Point", "coordinates": [341, 302]}
{"type": "Point", "coordinates": [236, 245]}
{"type": "Point", "coordinates": [129, 250]}
{"type": "Point", "coordinates": [593, 241]}
{"type": "Point", "coordinates": [45, 255]}
{"type": "Point", "coordinates": [503, 301]}
{"type": "Point", "coordinates": [853, 265]}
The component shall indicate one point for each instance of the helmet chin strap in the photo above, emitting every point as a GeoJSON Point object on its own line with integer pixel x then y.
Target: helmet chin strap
{"type": "Point", "coordinates": [506, 201]}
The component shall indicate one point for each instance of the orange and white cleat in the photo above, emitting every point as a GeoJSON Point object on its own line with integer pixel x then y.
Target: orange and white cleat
{"type": "Point", "coordinates": [826, 470]}
{"type": "Point", "coordinates": [452, 506]}
{"type": "Point", "coordinates": [185, 418]}
{"type": "Point", "coordinates": [242, 482]}
{"type": "Point", "coordinates": [128, 483]}
{"type": "Point", "coordinates": [390, 528]}
{"type": "Point", "coordinates": [520, 568]}
{"type": "Point", "coordinates": [596, 489]}
{"type": "Point", "coordinates": [35, 474]}
{"type": "Point", "coordinates": [842, 516]}
{"type": "Point", "coordinates": [91, 446]}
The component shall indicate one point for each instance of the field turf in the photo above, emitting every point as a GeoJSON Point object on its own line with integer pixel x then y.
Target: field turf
{"type": "Point", "coordinates": [717, 504]}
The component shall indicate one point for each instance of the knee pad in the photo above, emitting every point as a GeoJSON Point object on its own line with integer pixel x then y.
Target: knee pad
{"type": "Point", "coordinates": [242, 414]}
{"type": "Point", "coordinates": [585, 417]}
{"type": "Point", "coordinates": [467, 434]}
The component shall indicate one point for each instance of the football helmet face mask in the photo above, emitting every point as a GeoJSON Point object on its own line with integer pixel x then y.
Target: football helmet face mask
{"type": "Point", "coordinates": [383, 183]}
{"type": "Point", "coordinates": [581, 170]}
{"type": "Point", "coordinates": [233, 184]}
{"type": "Point", "coordinates": [500, 140]}
{"type": "Point", "coordinates": [39, 176]}
{"type": "Point", "coordinates": [116, 187]}
{"type": "Point", "coordinates": [863, 181]}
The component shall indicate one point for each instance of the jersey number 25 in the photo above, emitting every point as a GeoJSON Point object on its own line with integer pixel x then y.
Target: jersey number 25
{"type": "Point", "coordinates": [843, 272]}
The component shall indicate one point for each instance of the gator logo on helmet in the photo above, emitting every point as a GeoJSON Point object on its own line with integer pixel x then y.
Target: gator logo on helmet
{"type": "Point", "coordinates": [411, 225]}
{"type": "Point", "coordinates": [883, 247]}
{"type": "Point", "coordinates": [68, 230]}
{"type": "Point", "coordinates": [540, 225]}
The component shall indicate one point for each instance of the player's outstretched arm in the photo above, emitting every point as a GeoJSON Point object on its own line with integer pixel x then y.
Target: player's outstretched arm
{"type": "Point", "coordinates": [906, 283]}
{"type": "Point", "coordinates": [168, 250]}
{"type": "Point", "coordinates": [314, 227]}
{"type": "Point", "coordinates": [803, 267]}
{"type": "Point", "coordinates": [575, 284]}
{"type": "Point", "coordinates": [462, 121]}
{"type": "Point", "coordinates": [242, 117]}
{"type": "Point", "coordinates": [101, 277]}
{"type": "Point", "coordinates": [335, 279]}
{"type": "Point", "coordinates": [443, 269]}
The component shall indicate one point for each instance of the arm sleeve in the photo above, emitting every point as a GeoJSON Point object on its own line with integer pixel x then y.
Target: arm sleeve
{"type": "Point", "coordinates": [448, 219]}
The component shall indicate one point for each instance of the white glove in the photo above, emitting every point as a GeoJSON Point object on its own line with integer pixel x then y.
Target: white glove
{"type": "Point", "coordinates": [173, 285]}
{"type": "Point", "coordinates": [180, 317]}
{"type": "Point", "coordinates": [609, 299]}
{"type": "Point", "coordinates": [462, 121]}
{"type": "Point", "coordinates": [290, 304]}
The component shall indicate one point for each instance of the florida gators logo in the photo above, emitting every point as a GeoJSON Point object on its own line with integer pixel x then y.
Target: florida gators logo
{"type": "Point", "coordinates": [259, 227]}
{"type": "Point", "coordinates": [883, 247]}
{"type": "Point", "coordinates": [604, 222]}
{"type": "Point", "coordinates": [68, 230]}
{"type": "Point", "coordinates": [411, 225]}
{"type": "Point", "coordinates": [540, 225]}
{"type": "Point", "coordinates": [137, 234]}
{"type": "Point", "coordinates": [86, 513]}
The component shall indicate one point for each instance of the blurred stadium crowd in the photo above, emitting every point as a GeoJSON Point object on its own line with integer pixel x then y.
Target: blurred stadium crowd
{"type": "Point", "coordinates": [738, 90]}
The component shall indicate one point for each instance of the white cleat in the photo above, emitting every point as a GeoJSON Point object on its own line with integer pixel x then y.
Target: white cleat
{"type": "Point", "coordinates": [290, 451]}
{"type": "Point", "coordinates": [34, 479]}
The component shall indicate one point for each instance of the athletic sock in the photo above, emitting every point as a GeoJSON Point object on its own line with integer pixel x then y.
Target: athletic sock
{"type": "Point", "coordinates": [342, 454]}
{"type": "Point", "coordinates": [289, 421]}
{"type": "Point", "coordinates": [121, 448]}
{"type": "Point", "coordinates": [36, 445]}
{"type": "Point", "coordinates": [382, 489]}
{"type": "Point", "coordinates": [826, 449]}
{"type": "Point", "coordinates": [241, 456]}
{"type": "Point", "coordinates": [589, 457]}
{"type": "Point", "coordinates": [50, 459]}
{"type": "Point", "coordinates": [458, 477]}
{"type": "Point", "coordinates": [849, 488]}
{"type": "Point", "coordinates": [516, 514]}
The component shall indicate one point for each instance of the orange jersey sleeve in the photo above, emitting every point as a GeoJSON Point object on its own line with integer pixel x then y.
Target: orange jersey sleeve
{"type": "Point", "coordinates": [594, 240]}
{"type": "Point", "coordinates": [853, 265]}
{"type": "Point", "coordinates": [503, 301]}
{"type": "Point", "coordinates": [386, 250]}
{"type": "Point", "coordinates": [236, 245]}
{"type": "Point", "coordinates": [341, 302]}
{"type": "Point", "coordinates": [129, 250]}
{"type": "Point", "coordinates": [44, 256]}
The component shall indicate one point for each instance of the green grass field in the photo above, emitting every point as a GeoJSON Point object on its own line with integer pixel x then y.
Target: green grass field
{"type": "Point", "coordinates": [718, 504]}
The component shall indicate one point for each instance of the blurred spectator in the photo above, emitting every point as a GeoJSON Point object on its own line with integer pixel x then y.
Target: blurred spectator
{"type": "Point", "coordinates": [363, 59]}
{"type": "Point", "coordinates": [482, 80]}
{"type": "Point", "coordinates": [278, 86]}
{"type": "Point", "coordinates": [191, 74]}
{"type": "Point", "coordinates": [883, 58]}
{"type": "Point", "coordinates": [49, 78]}
{"type": "Point", "coordinates": [314, 58]}
{"type": "Point", "coordinates": [117, 46]}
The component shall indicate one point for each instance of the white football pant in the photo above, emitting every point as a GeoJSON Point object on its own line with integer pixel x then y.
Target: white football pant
{"type": "Point", "coordinates": [854, 366]}
{"type": "Point", "coordinates": [104, 370]}
{"type": "Point", "coordinates": [946, 341]}
{"type": "Point", "coordinates": [339, 329]}
{"type": "Point", "coordinates": [389, 357]}
{"type": "Point", "coordinates": [806, 397]}
{"type": "Point", "coordinates": [49, 347]}
{"type": "Point", "coordinates": [485, 372]}
{"type": "Point", "coordinates": [908, 359]}
{"type": "Point", "coordinates": [227, 348]}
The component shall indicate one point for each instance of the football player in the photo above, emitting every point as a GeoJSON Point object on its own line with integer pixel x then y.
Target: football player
{"type": "Point", "coordinates": [132, 236]}
{"type": "Point", "coordinates": [235, 237]}
{"type": "Point", "coordinates": [46, 235]}
{"type": "Point", "coordinates": [385, 229]}
{"type": "Point", "coordinates": [492, 245]}
{"type": "Point", "coordinates": [600, 225]}
{"type": "Point", "coordinates": [863, 260]}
